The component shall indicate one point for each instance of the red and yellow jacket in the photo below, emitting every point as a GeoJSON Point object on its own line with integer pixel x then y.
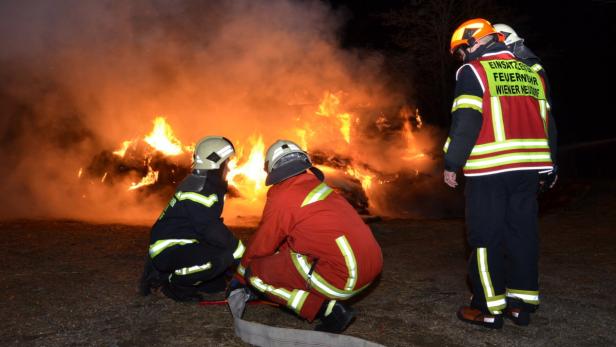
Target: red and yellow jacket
{"type": "Point", "coordinates": [305, 217]}
{"type": "Point", "coordinates": [514, 108]}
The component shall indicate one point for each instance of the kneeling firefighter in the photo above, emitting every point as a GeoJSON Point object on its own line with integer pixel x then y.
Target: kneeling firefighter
{"type": "Point", "coordinates": [311, 250]}
{"type": "Point", "coordinates": [190, 247]}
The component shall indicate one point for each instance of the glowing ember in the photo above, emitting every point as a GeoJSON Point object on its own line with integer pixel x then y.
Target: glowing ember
{"type": "Point", "coordinates": [249, 176]}
{"type": "Point", "coordinates": [150, 178]}
{"type": "Point", "coordinates": [125, 145]}
{"type": "Point", "coordinates": [363, 177]}
{"type": "Point", "coordinates": [412, 152]}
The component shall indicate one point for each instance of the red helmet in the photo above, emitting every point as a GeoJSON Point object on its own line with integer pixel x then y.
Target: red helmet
{"type": "Point", "coordinates": [471, 31]}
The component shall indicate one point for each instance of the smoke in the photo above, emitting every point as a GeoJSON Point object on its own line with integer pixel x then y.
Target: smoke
{"type": "Point", "coordinates": [77, 77]}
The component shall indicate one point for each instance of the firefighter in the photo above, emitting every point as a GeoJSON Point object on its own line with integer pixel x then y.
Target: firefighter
{"type": "Point", "coordinates": [499, 138]}
{"type": "Point", "coordinates": [515, 44]}
{"type": "Point", "coordinates": [190, 247]}
{"type": "Point", "coordinates": [312, 251]}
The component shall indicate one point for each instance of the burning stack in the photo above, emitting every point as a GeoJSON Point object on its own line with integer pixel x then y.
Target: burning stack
{"type": "Point", "coordinates": [156, 163]}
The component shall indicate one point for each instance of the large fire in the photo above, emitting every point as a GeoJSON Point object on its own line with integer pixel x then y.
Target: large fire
{"type": "Point", "coordinates": [246, 174]}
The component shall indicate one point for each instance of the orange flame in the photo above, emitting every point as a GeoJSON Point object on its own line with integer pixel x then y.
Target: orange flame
{"type": "Point", "coordinates": [125, 145]}
{"type": "Point", "coordinates": [162, 138]}
{"type": "Point", "coordinates": [412, 152]}
{"type": "Point", "coordinates": [150, 178]}
{"type": "Point", "coordinates": [363, 177]}
{"type": "Point", "coordinates": [329, 106]}
{"type": "Point", "coordinates": [249, 177]}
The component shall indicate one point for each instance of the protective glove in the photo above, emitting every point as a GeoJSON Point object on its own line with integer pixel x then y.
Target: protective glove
{"type": "Point", "coordinates": [547, 180]}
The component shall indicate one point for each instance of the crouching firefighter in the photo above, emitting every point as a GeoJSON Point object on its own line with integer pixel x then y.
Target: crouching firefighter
{"type": "Point", "coordinates": [190, 247]}
{"type": "Point", "coordinates": [312, 251]}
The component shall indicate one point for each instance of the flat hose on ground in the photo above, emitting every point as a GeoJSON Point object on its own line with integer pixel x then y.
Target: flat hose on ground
{"type": "Point", "coordinates": [267, 336]}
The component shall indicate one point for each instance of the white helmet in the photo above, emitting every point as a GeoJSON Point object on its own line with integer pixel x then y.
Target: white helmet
{"type": "Point", "coordinates": [211, 152]}
{"type": "Point", "coordinates": [511, 36]}
{"type": "Point", "coordinates": [285, 159]}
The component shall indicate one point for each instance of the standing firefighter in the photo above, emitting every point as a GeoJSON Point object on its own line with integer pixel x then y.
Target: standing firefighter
{"type": "Point", "coordinates": [311, 250]}
{"type": "Point", "coordinates": [516, 45]}
{"type": "Point", "coordinates": [190, 247]}
{"type": "Point", "coordinates": [499, 137]}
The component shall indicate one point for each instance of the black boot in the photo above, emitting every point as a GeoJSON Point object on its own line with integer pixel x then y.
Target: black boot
{"type": "Point", "coordinates": [336, 319]}
{"type": "Point", "coordinates": [151, 278]}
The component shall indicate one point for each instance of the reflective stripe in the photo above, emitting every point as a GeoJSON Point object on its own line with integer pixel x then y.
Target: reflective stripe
{"type": "Point", "coordinates": [297, 300]}
{"type": "Point", "coordinates": [446, 146]}
{"type": "Point", "coordinates": [536, 67]}
{"type": "Point", "coordinates": [224, 151]}
{"type": "Point", "coordinates": [533, 168]}
{"type": "Point", "coordinates": [207, 201]}
{"type": "Point", "coordinates": [349, 259]}
{"type": "Point", "coordinates": [241, 270]}
{"type": "Point", "coordinates": [161, 245]}
{"type": "Point", "coordinates": [497, 302]}
{"type": "Point", "coordinates": [497, 119]}
{"type": "Point", "coordinates": [484, 273]}
{"type": "Point", "coordinates": [510, 144]}
{"type": "Point", "coordinates": [467, 101]}
{"type": "Point", "coordinates": [494, 302]}
{"type": "Point", "coordinates": [266, 288]}
{"type": "Point", "coordinates": [318, 282]}
{"type": "Point", "coordinates": [191, 270]}
{"type": "Point", "coordinates": [239, 251]}
{"type": "Point", "coordinates": [330, 307]}
{"type": "Point", "coordinates": [543, 111]}
{"type": "Point", "coordinates": [511, 158]}
{"type": "Point", "coordinates": [319, 193]}
{"type": "Point", "coordinates": [528, 296]}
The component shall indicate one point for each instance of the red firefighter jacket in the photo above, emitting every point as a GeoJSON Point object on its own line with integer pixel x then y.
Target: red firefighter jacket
{"type": "Point", "coordinates": [514, 126]}
{"type": "Point", "coordinates": [306, 217]}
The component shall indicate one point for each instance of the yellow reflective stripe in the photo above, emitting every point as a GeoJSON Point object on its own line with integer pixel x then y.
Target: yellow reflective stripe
{"type": "Point", "coordinates": [510, 158]}
{"type": "Point", "coordinates": [467, 101]}
{"type": "Point", "coordinates": [536, 67]}
{"type": "Point", "coordinates": [349, 259]}
{"type": "Point", "coordinates": [509, 144]}
{"type": "Point", "coordinates": [497, 119]}
{"type": "Point", "coordinates": [319, 193]}
{"type": "Point", "coordinates": [266, 288]}
{"type": "Point", "coordinates": [296, 302]}
{"type": "Point", "coordinates": [192, 269]}
{"type": "Point", "coordinates": [319, 283]}
{"type": "Point", "coordinates": [239, 251]}
{"type": "Point", "coordinates": [484, 273]}
{"type": "Point", "coordinates": [241, 270]}
{"type": "Point", "coordinates": [446, 146]}
{"type": "Point", "coordinates": [330, 307]}
{"type": "Point", "coordinates": [497, 302]}
{"type": "Point", "coordinates": [528, 296]}
{"type": "Point", "coordinates": [543, 110]}
{"type": "Point", "coordinates": [494, 302]}
{"type": "Point", "coordinates": [207, 201]}
{"type": "Point", "coordinates": [161, 245]}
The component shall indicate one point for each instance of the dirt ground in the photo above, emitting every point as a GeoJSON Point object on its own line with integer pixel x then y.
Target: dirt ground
{"type": "Point", "coordinates": [74, 283]}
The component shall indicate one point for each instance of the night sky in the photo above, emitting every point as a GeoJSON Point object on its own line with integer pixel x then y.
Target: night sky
{"type": "Point", "coordinates": [571, 37]}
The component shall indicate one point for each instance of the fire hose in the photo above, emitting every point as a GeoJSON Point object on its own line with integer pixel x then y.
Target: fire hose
{"type": "Point", "coordinates": [263, 335]}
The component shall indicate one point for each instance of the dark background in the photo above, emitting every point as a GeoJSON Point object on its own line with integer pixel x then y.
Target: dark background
{"type": "Point", "coordinates": [573, 39]}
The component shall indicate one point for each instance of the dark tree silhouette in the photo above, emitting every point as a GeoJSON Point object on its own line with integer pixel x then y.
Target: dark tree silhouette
{"type": "Point", "coordinates": [422, 31]}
